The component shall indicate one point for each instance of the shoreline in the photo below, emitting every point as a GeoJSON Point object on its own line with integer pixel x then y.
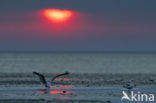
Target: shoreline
{"type": "Point", "coordinates": [98, 79]}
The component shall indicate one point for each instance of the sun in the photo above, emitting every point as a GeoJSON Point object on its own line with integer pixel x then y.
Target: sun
{"type": "Point", "coordinates": [58, 15]}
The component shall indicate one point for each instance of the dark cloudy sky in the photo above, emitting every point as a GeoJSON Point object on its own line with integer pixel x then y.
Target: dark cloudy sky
{"type": "Point", "coordinates": [99, 25]}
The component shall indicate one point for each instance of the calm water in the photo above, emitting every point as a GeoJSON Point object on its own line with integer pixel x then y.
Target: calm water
{"type": "Point", "coordinates": [79, 62]}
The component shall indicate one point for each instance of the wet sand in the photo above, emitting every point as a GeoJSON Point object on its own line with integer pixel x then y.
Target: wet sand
{"type": "Point", "coordinates": [74, 88]}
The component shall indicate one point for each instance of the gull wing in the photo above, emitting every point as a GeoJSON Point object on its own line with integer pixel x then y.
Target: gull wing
{"type": "Point", "coordinates": [66, 73]}
{"type": "Point", "coordinates": [42, 79]}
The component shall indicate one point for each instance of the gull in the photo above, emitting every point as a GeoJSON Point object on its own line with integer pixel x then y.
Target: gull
{"type": "Point", "coordinates": [46, 83]}
{"type": "Point", "coordinates": [129, 85]}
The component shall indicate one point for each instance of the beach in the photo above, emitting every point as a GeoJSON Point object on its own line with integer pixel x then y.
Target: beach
{"type": "Point", "coordinates": [90, 79]}
{"type": "Point", "coordinates": [88, 88]}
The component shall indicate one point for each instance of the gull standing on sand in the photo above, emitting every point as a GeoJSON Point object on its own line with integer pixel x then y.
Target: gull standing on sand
{"type": "Point", "coordinates": [129, 85]}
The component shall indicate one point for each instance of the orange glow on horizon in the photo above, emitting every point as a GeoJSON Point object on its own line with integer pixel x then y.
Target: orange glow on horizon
{"type": "Point", "coordinates": [57, 15]}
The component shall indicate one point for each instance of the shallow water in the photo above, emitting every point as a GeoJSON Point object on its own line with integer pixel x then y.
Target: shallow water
{"type": "Point", "coordinates": [94, 78]}
{"type": "Point", "coordinates": [71, 94]}
{"type": "Point", "coordinates": [74, 88]}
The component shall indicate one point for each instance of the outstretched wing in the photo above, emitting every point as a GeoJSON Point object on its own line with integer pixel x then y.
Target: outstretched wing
{"type": "Point", "coordinates": [42, 79]}
{"type": "Point", "coordinates": [66, 73]}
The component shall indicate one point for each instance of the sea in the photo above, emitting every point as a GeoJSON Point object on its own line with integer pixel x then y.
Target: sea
{"type": "Point", "coordinates": [77, 62]}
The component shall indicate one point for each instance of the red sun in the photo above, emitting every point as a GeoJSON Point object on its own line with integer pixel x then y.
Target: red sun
{"type": "Point", "coordinates": [58, 15]}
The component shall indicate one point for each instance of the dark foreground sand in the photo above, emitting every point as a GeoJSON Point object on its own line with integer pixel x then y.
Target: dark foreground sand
{"type": "Point", "coordinates": [79, 88]}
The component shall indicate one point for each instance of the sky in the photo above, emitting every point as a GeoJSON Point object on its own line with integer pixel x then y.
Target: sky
{"type": "Point", "coordinates": [95, 25]}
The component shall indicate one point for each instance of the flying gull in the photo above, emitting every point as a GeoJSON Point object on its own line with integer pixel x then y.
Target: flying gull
{"type": "Point", "coordinates": [46, 83]}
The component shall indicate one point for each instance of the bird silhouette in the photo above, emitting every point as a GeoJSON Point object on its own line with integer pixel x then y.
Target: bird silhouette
{"type": "Point", "coordinates": [46, 83]}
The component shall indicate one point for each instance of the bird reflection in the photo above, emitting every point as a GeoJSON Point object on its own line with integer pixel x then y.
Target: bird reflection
{"type": "Point", "coordinates": [48, 91]}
